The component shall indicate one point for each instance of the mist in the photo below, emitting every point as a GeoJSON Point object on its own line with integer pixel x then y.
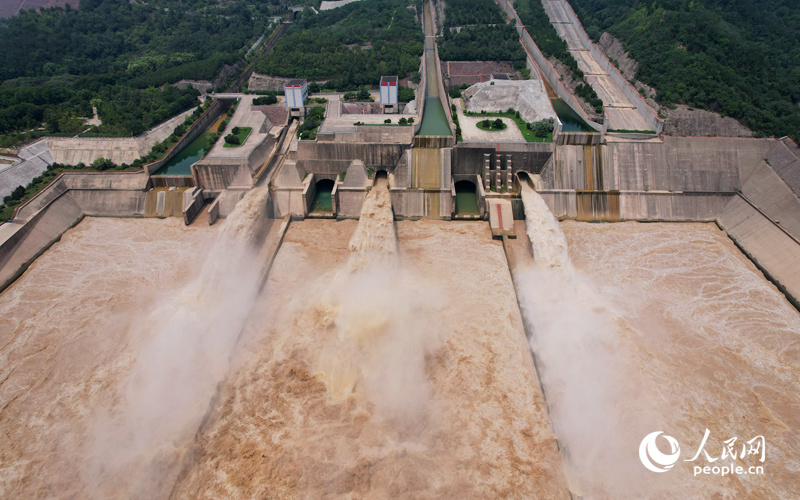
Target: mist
{"type": "Point", "coordinates": [577, 337]}
{"type": "Point", "coordinates": [190, 339]}
{"type": "Point", "coordinates": [385, 318]}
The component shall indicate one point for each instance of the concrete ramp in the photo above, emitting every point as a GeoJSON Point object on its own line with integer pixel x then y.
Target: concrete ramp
{"type": "Point", "coordinates": [770, 247]}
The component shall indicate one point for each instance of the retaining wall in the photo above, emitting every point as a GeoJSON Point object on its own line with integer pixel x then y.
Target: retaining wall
{"type": "Point", "coordinates": [43, 219]}
{"type": "Point", "coordinates": [35, 236]}
{"type": "Point", "coordinates": [208, 117]}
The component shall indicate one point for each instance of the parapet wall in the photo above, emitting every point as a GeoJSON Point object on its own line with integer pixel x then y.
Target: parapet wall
{"type": "Point", "coordinates": [208, 117]}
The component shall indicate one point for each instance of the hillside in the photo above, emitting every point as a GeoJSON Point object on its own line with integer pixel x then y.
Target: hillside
{"type": "Point", "coordinates": [55, 64]}
{"type": "Point", "coordinates": [349, 46]}
{"type": "Point", "coordinates": [739, 58]}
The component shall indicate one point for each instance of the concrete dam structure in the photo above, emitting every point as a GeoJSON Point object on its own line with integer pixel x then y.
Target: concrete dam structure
{"type": "Point", "coordinates": [300, 317]}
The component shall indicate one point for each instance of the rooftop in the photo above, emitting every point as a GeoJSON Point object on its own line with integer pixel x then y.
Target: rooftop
{"type": "Point", "coordinates": [294, 82]}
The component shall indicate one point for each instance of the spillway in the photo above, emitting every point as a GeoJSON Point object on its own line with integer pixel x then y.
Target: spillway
{"type": "Point", "coordinates": [371, 368]}
{"type": "Point", "coordinates": [639, 328]}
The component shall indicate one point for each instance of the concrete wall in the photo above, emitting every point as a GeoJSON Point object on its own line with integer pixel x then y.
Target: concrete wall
{"type": "Point", "coordinates": [90, 182]}
{"type": "Point", "coordinates": [350, 201]}
{"type": "Point", "coordinates": [767, 190]}
{"type": "Point", "coordinates": [208, 117]}
{"type": "Point", "coordinates": [35, 159]}
{"type": "Point", "coordinates": [784, 157]}
{"type": "Point", "coordinates": [41, 220]}
{"type": "Point", "coordinates": [332, 158]}
{"type": "Point", "coordinates": [702, 164]}
{"type": "Point", "coordinates": [34, 236]}
{"type": "Point", "coordinates": [408, 203]}
{"type": "Point", "coordinates": [378, 134]}
{"type": "Point", "coordinates": [193, 202]}
{"type": "Point", "coordinates": [219, 175]}
{"type": "Point", "coordinates": [774, 250]}
{"type": "Point", "coordinates": [530, 157]}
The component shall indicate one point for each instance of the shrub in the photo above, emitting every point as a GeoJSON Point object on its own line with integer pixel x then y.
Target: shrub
{"type": "Point", "coordinates": [498, 124]}
{"type": "Point", "coordinates": [236, 130]}
{"type": "Point", "coordinates": [402, 121]}
{"type": "Point", "coordinates": [541, 128]}
{"type": "Point", "coordinates": [388, 120]}
{"type": "Point", "coordinates": [265, 100]}
{"type": "Point", "coordinates": [232, 139]}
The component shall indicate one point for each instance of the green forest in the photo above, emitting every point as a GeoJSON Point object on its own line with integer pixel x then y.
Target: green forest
{"type": "Point", "coordinates": [484, 34]}
{"type": "Point", "coordinates": [54, 64]}
{"type": "Point", "coordinates": [740, 58]}
{"type": "Point", "coordinates": [468, 12]}
{"type": "Point", "coordinates": [350, 46]}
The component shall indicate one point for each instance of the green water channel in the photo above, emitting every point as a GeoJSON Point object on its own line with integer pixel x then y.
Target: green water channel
{"type": "Point", "coordinates": [322, 202]}
{"type": "Point", "coordinates": [434, 120]}
{"type": "Point", "coordinates": [570, 121]}
{"type": "Point", "coordinates": [466, 200]}
{"type": "Point", "coordinates": [181, 163]}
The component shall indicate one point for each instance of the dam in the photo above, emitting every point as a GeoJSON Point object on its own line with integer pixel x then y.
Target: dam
{"type": "Point", "coordinates": [461, 319]}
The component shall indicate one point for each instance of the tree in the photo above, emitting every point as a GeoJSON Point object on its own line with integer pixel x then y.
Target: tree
{"type": "Point", "coordinates": [498, 124]}
{"type": "Point", "coordinates": [388, 120]}
{"type": "Point", "coordinates": [232, 140]}
{"type": "Point", "coordinates": [363, 95]}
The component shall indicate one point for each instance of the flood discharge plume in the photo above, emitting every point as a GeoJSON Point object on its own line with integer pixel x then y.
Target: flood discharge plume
{"type": "Point", "coordinates": [575, 342]}
{"type": "Point", "coordinates": [190, 337]}
{"type": "Point", "coordinates": [382, 314]}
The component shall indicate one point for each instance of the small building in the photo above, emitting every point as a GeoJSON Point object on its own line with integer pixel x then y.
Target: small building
{"type": "Point", "coordinates": [389, 89]}
{"type": "Point", "coordinates": [296, 92]}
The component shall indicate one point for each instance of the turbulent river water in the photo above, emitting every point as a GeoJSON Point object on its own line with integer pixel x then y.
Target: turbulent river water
{"type": "Point", "coordinates": [389, 359]}
{"type": "Point", "coordinates": [661, 327]}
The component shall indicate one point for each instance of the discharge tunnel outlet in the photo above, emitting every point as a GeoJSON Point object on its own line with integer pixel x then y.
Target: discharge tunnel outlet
{"type": "Point", "coordinates": [381, 176]}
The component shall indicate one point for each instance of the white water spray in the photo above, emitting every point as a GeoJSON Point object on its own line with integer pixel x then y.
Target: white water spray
{"type": "Point", "coordinates": [577, 346]}
{"type": "Point", "coordinates": [383, 317]}
{"type": "Point", "coordinates": [190, 339]}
